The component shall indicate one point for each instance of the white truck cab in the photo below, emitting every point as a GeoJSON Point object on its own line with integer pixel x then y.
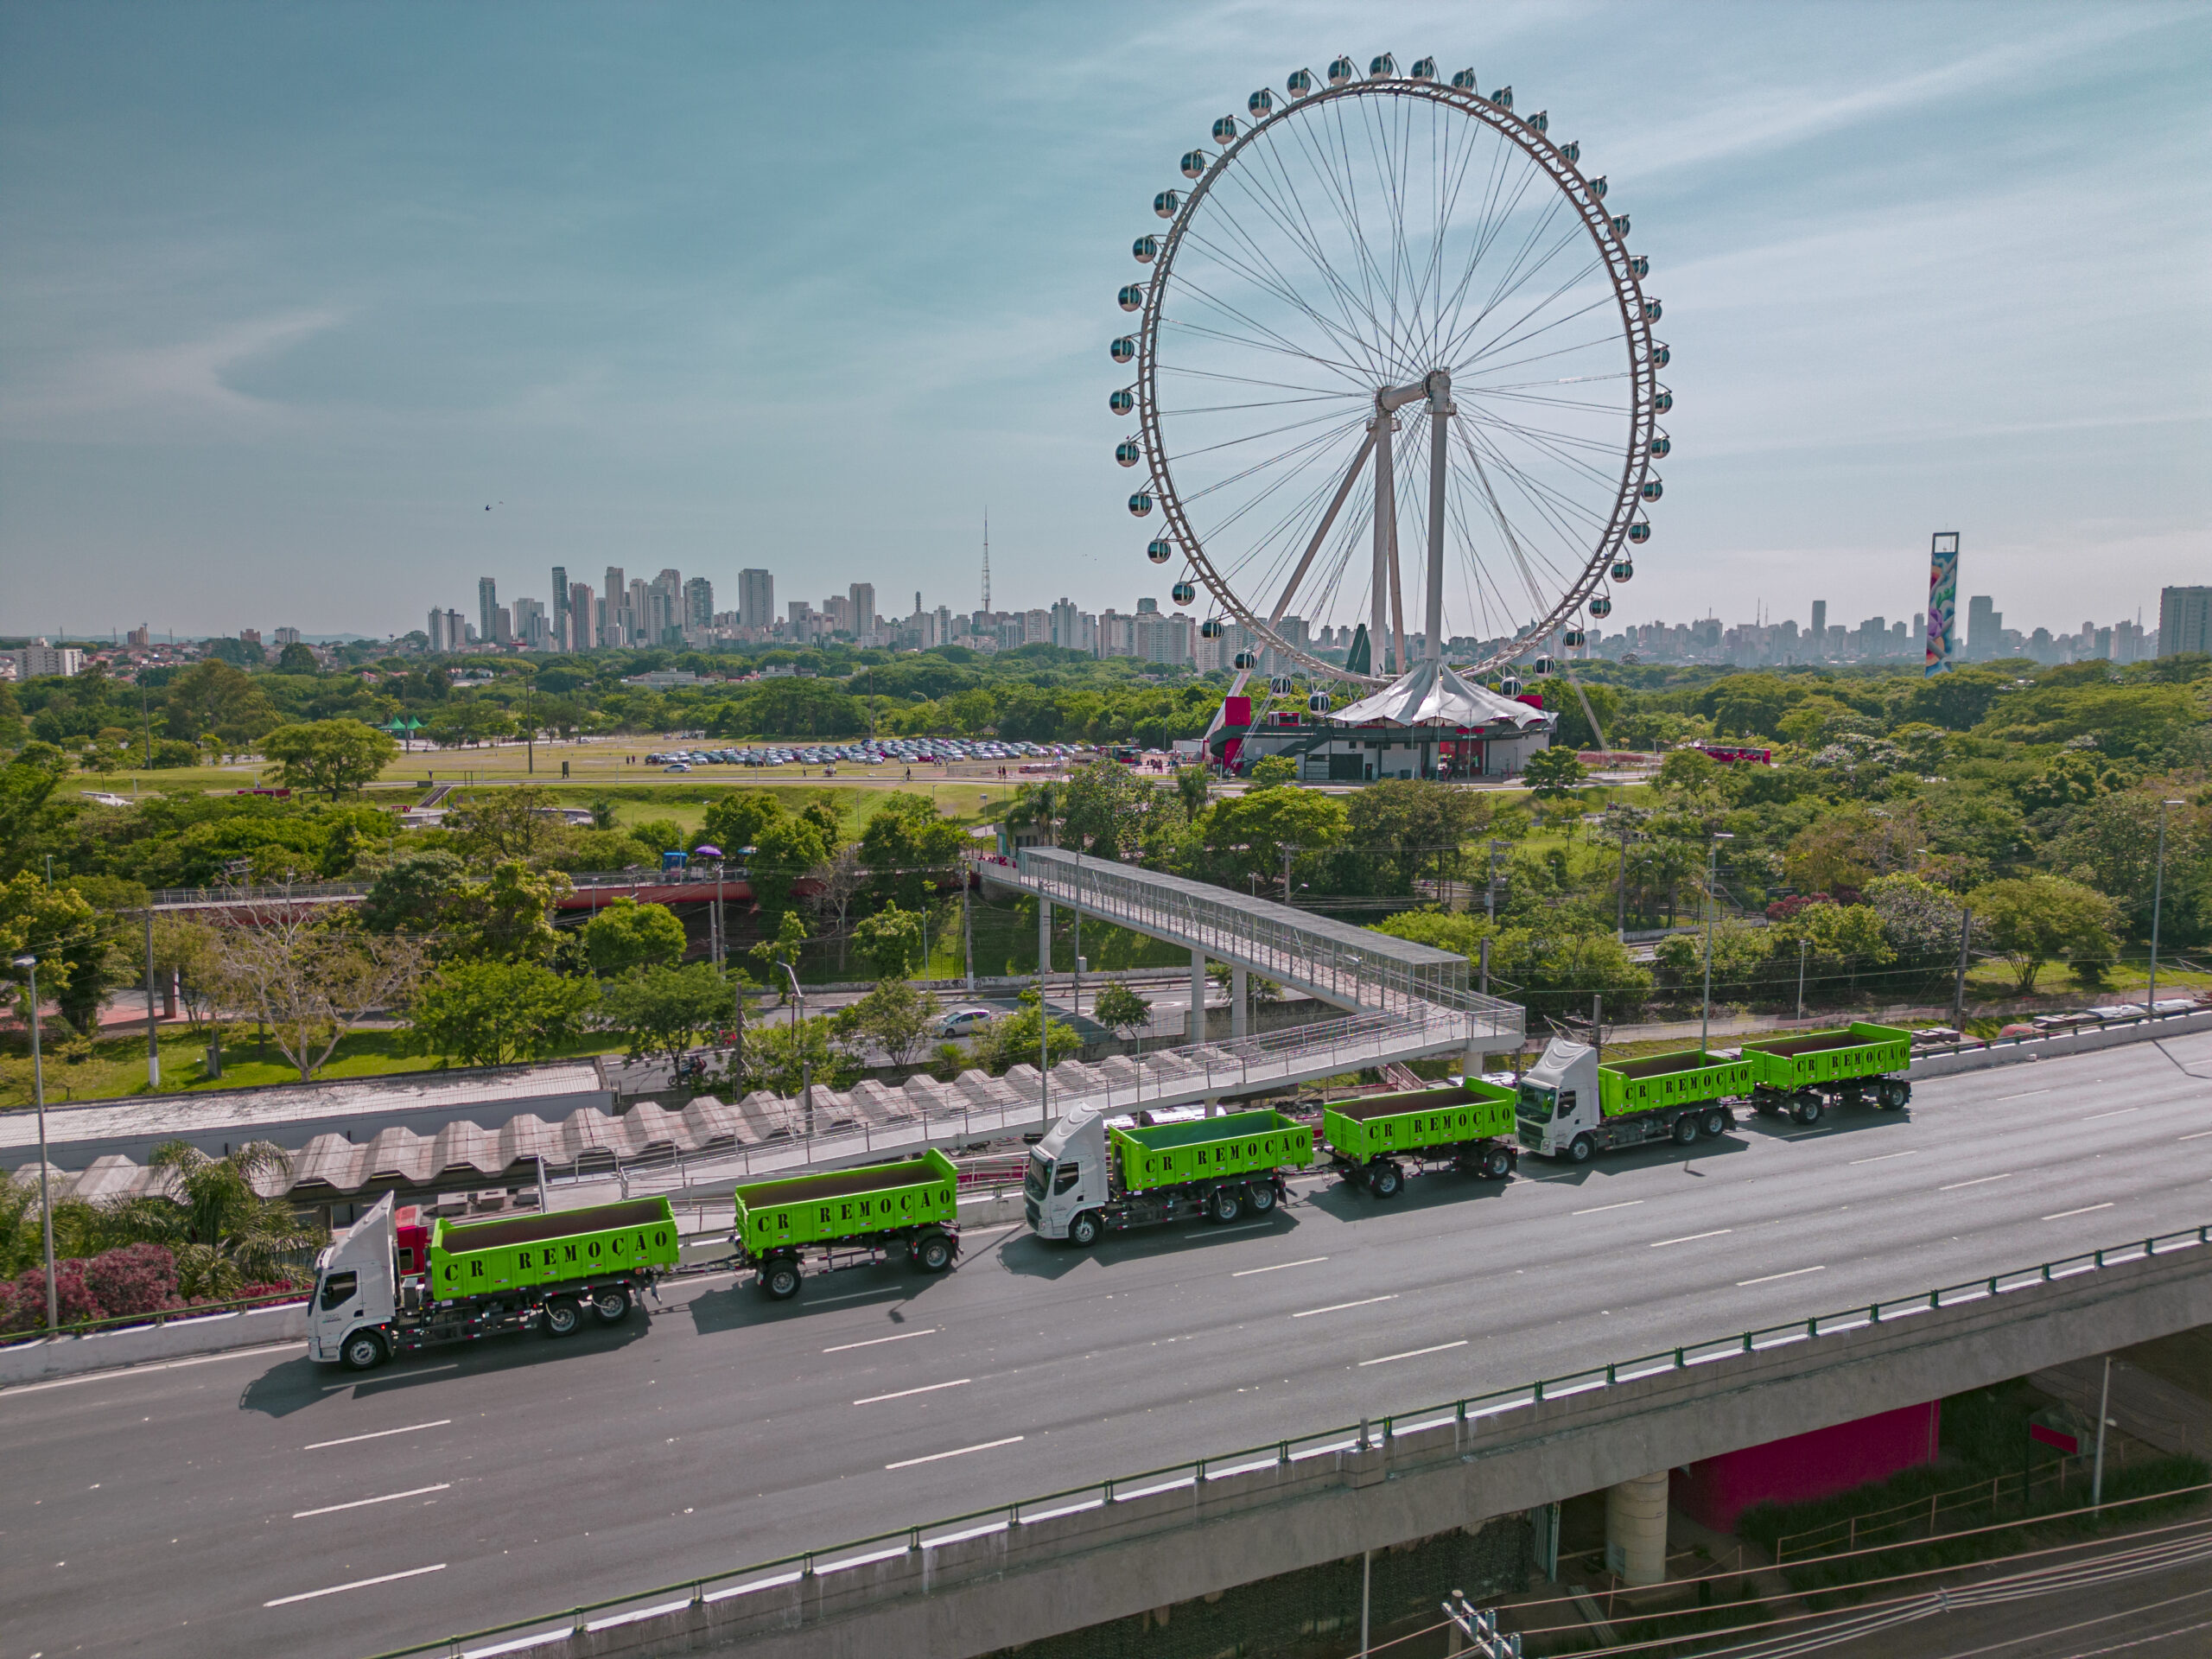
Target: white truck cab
{"type": "Point", "coordinates": [356, 1288]}
{"type": "Point", "coordinates": [1559, 1099]}
{"type": "Point", "coordinates": [1066, 1174]}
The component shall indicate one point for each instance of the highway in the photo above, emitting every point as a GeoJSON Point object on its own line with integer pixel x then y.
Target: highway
{"type": "Point", "coordinates": [260, 1504]}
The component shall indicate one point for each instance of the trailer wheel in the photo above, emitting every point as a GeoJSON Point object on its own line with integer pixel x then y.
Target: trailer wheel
{"type": "Point", "coordinates": [780, 1280]}
{"type": "Point", "coordinates": [1082, 1232]}
{"type": "Point", "coordinates": [560, 1318]}
{"type": "Point", "coordinates": [1716, 1123]}
{"type": "Point", "coordinates": [1262, 1195]}
{"type": "Point", "coordinates": [362, 1351]}
{"type": "Point", "coordinates": [1807, 1108]}
{"type": "Point", "coordinates": [611, 1304]}
{"type": "Point", "coordinates": [1686, 1129]}
{"type": "Point", "coordinates": [931, 1252]}
{"type": "Point", "coordinates": [1497, 1163]}
{"type": "Point", "coordinates": [1226, 1204]}
{"type": "Point", "coordinates": [1384, 1179]}
{"type": "Point", "coordinates": [1580, 1148]}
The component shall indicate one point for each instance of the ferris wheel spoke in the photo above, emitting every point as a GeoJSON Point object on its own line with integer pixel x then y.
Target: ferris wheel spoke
{"type": "Point", "coordinates": [1341, 428]}
{"type": "Point", "coordinates": [1186, 327]}
{"type": "Point", "coordinates": [1550, 503]}
{"type": "Point", "coordinates": [1508, 290]}
{"type": "Point", "coordinates": [1609, 340]}
{"type": "Point", "coordinates": [1529, 334]}
{"type": "Point", "coordinates": [1287, 211]}
{"type": "Point", "coordinates": [1237, 313]}
{"type": "Point", "coordinates": [1301, 453]}
{"type": "Point", "coordinates": [1497, 213]}
{"type": "Point", "coordinates": [1545, 505]}
{"type": "Point", "coordinates": [1450, 181]}
{"type": "Point", "coordinates": [1273, 281]}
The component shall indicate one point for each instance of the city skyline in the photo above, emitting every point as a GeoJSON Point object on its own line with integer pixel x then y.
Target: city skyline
{"type": "Point", "coordinates": [584, 321]}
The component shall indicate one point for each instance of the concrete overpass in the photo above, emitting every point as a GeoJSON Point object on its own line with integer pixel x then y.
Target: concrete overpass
{"type": "Point", "coordinates": [526, 1476]}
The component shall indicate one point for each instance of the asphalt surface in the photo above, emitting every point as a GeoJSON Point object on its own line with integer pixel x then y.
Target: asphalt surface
{"type": "Point", "coordinates": [165, 1510]}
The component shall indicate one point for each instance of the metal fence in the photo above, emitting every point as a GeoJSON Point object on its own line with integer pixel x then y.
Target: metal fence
{"type": "Point", "coordinates": [876, 1547]}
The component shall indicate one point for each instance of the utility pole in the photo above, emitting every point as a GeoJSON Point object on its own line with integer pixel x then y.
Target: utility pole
{"type": "Point", "coordinates": [1597, 1027]}
{"type": "Point", "coordinates": [1484, 949]}
{"type": "Point", "coordinates": [1489, 893]}
{"type": "Point", "coordinates": [1801, 943]}
{"type": "Point", "coordinates": [38, 1099]}
{"type": "Point", "coordinates": [1959, 986]}
{"type": "Point", "coordinates": [1620, 908]}
{"type": "Point", "coordinates": [153, 1032]}
{"type": "Point", "coordinates": [2158, 898]}
{"type": "Point", "coordinates": [1712, 908]}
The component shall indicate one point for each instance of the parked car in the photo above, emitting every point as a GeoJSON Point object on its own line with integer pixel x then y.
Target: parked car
{"type": "Point", "coordinates": [961, 1021]}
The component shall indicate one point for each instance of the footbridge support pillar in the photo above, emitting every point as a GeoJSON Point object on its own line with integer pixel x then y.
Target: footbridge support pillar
{"type": "Point", "coordinates": [1636, 1528]}
{"type": "Point", "coordinates": [1196, 1029]}
{"type": "Point", "coordinates": [1044, 938]}
{"type": "Point", "coordinates": [1239, 1000]}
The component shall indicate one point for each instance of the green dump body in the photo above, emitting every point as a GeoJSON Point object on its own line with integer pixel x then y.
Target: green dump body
{"type": "Point", "coordinates": [1241, 1143]}
{"type": "Point", "coordinates": [1377, 1124]}
{"type": "Point", "coordinates": [516, 1252]}
{"type": "Point", "coordinates": [849, 1202]}
{"type": "Point", "coordinates": [1678, 1079]}
{"type": "Point", "coordinates": [1811, 1058]}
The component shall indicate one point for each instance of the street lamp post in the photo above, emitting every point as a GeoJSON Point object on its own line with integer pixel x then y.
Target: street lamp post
{"type": "Point", "coordinates": [1711, 905]}
{"type": "Point", "coordinates": [799, 1048]}
{"type": "Point", "coordinates": [38, 1097]}
{"type": "Point", "coordinates": [2158, 898]}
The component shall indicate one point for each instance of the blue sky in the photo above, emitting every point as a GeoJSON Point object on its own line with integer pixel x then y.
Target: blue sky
{"type": "Point", "coordinates": [288, 293]}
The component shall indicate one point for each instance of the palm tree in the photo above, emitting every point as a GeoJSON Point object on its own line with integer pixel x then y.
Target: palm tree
{"type": "Point", "coordinates": [1190, 790]}
{"type": "Point", "coordinates": [224, 1233]}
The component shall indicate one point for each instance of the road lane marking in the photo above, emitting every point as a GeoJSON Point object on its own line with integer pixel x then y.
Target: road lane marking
{"type": "Point", "coordinates": [1415, 1353]}
{"type": "Point", "coordinates": [2087, 1208]}
{"type": "Point", "coordinates": [1793, 1273]}
{"type": "Point", "coordinates": [163, 1365]}
{"type": "Point", "coordinates": [854, 1296]}
{"type": "Point", "coordinates": [847, 1347]}
{"type": "Point", "coordinates": [2001, 1099]}
{"type": "Point", "coordinates": [378, 1435]}
{"type": "Point", "coordinates": [957, 1452]}
{"type": "Point", "coordinates": [400, 1376]}
{"type": "Point", "coordinates": [1910, 1152]}
{"type": "Point", "coordinates": [2199, 1135]}
{"type": "Point", "coordinates": [1246, 1273]}
{"type": "Point", "coordinates": [1625, 1204]}
{"type": "Point", "coordinates": [1338, 1308]}
{"type": "Point", "coordinates": [357, 1584]}
{"type": "Point", "coordinates": [926, 1388]}
{"type": "Point", "coordinates": [363, 1503]}
{"type": "Point", "coordinates": [1807, 1134]}
{"type": "Point", "coordinates": [2121, 1111]}
{"type": "Point", "coordinates": [1979, 1180]}
{"type": "Point", "coordinates": [1692, 1238]}
{"type": "Point", "coordinates": [1242, 1227]}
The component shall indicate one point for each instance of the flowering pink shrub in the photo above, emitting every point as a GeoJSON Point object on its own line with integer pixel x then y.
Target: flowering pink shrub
{"type": "Point", "coordinates": [26, 1297]}
{"type": "Point", "coordinates": [136, 1279]}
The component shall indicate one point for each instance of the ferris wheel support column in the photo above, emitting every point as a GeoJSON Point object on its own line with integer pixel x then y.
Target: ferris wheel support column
{"type": "Point", "coordinates": [1441, 410]}
{"type": "Point", "coordinates": [1386, 516]}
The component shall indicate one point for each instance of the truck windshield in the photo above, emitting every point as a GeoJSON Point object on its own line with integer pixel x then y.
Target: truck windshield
{"type": "Point", "coordinates": [1038, 1175]}
{"type": "Point", "coordinates": [1536, 1103]}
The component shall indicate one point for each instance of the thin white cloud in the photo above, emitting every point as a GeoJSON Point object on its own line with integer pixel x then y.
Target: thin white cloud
{"type": "Point", "coordinates": [187, 378]}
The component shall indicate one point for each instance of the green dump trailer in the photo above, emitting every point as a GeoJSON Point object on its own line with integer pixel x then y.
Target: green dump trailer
{"type": "Point", "coordinates": [1572, 1106]}
{"type": "Point", "coordinates": [1799, 1075]}
{"type": "Point", "coordinates": [482, 1278]}
{"type": "Point", "coordinates": [1087, 1177]}
{"type": "Point", "coordinates": [847, 1218]}
{"type": "Point", "coordinates": [1373, 1139]}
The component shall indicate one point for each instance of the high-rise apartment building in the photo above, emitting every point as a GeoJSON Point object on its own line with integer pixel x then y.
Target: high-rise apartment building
{"type": "Point", "coordinates": [756, 599]}
{"type": "Point", "coordinates": [1821, 620]}
{"type": "Point", "coordinates": [2184, 619]}
{"type": "Point", "coordinates": [487, 605]}
{"type": "Point", "coordinates": [581, 636]}
{"type": "Point", "coordinates": [862, 597]}
{"type": "Point", "coordinates": [558, 624]}
{"type": "Point", "coordinates": [698, 606]}
{"type": "Point", "coordinates": [281, 637]}
{"type": "Point", "coordinates": [528, 625]}
{"type": "Point", "coordinates": [41, 659]}
{"type": "Point", "coordinates": [1984, 629]}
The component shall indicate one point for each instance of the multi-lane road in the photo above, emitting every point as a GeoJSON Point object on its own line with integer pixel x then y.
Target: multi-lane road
{"type": "Point", "coordinates": [259, 1504]}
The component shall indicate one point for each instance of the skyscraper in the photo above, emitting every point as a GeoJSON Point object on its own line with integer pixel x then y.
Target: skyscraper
{"type": "Point", "coordinates": [2184, 619]}
{"type": "Point", "coordinates": [614, 596]}
{"type": "Point", "coordinates": [756, 599]}
{"type": "Point", "coordinates": [862, 595]}
{"type": "Point", "coordinates": [1985, 625]}
{"type": "Point", "coordinates": [1820, 618]}
{"type": "Point", "coordinates": [698, 604]}
{"type": "Point", "coordinates": [488, 608]}
{"type": "Point", "coordinates": [579, 617]}
{"type": "Point", "coordinates": [560, 618]}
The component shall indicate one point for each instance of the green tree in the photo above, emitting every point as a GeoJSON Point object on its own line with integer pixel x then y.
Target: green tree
{"type": "Point", "coordinates": [662, 1010]}
{"type": "Point", "coordinates": [215, 700]}
{"type": "Point", "coordinates": [895, 1016]}
{"type": "Point", "coordinates": [907, 846]}
{"type": "Point", "coordinates": [1122, 1011]}
{"type": "Point", "coordinates": [27, 809]}
{"type": "Point", "coordinates": [59, 926]}
{"type": "Point", "coordinates": [1554, 773]}
{"type": "Point", "coordinates": [1013, 1039]}
{"type": "Point", "coordinates": [781, 1057]}
{"type": "Point", "coordinates": [511, 915]}
{"type": "Point", "coordinates": [413, 892]}
{"type": "Point", "coordinates": [1272, 771]}
{"type": "Point", "coordinates": [1105, 808]}
{"type": "Point", "coordinates": [331, 756]}
{"type": "Point", "coordinates": [626, 934]}
{"type": "Point", "coordinates": [892, 941]}
{"type": "Point", "coordinates": [297, 658]}
{"type": "Point", "coordinates": [783, 851]}
{"type": "Point", "coordinates": [772, 956]}
{"type": "Point", "coordinates": [310, 978]}
{"type": "Point", "coordinates": [494, 1013]}
{"type": "Point", "coordinates": [736, 820]}
{"type": "Point", "coordinates": [225, 1217]}
{"type": "Point", "coordinates": [2033, 921]}
{"type": "Point", "coordinates": [1245, 837]}
{"type": "Point", "coordinates": [494, 825]}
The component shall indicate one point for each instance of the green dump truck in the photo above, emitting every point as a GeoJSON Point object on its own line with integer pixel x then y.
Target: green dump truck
{"type": "Point", "coordinates": [1798, 1075]}
{"type": "Point", "coordinates": [1373, 1139]}
{"type": "Point", "coordinates": [1571, 1106]}
{"type": "Point", "coordinates": [849, 1218]}
{"type": "Point", "coordinates": [481, 1278]}
{"type": "Point", "coordinates": [1088, 1176]}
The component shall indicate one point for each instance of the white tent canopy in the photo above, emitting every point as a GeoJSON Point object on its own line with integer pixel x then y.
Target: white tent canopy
{"type": "Point", "coordinates": [1432, 695]}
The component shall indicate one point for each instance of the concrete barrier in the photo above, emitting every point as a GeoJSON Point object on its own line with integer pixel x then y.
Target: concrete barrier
{"type": "Point", "coordinates": [139, 1344]}
{"type": "Point", "coordinates": [2058, 1045]}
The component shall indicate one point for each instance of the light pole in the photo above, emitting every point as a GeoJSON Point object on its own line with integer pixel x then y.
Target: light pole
{"type": "Point", "coordinates": [2157, 897]}
{"type": "Point", "coordinates": [805, 1066]}
{"type": "Point", "coordinates": [1712, 906]}
{"type": "Point", "coordinates": [38, 1096]}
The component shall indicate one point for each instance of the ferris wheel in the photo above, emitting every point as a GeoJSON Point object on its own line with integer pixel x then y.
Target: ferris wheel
{"type": "Point", "coordinates": [1391, 313]}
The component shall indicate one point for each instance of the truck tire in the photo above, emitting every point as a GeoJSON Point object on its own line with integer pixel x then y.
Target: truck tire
{"type": "Point", "coordinates": [562, 1318]}
{"type": "Point", "coordinates": [1717, 1122]}
{"type": "Point", "coordinates": [1686, 1129]}
{"type": "Point", "coordinates": [1580, 1148]}
{"type": "Point", "coordinates": [1805, 1108]}
{"type": "Point", "coordinates": [611, 1304]}
{"type": "Point", "coordinates": [1497, 1163]}
{"type": "Point", "coordinates": [1225, 1204]}
{"type": "Point", "coordinates": [779, 1279]}
{"type": "Point", "coordinates": [1083, 1230]}
{"type": "Point", "coordinates": [1262, 1196]}
{"type": "Point", "coordinates": [1384, 1179]}
{"type": "Point", "coordinates": [362, 1351]}
{"type": "Point", "coordinates": [931, 1253]}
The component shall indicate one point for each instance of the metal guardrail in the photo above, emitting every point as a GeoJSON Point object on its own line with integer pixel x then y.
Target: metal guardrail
{"type": "Point", "coordinates": [162, 1315]}
{"type": "Point", "coordinates": [299, 892]}
{"type": "Point", "coordinates": [788, 1569]}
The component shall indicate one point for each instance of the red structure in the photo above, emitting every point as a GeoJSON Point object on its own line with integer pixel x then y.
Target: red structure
{"type": "Point", "coordinates": [1806, 1466]}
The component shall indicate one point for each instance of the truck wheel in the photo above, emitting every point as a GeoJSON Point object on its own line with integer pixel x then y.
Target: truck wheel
{"type": "Point", "coordinates": [1497, 1163]}
{"type": "Point", "coordinates": [560, 1318]}
{"type": "Point", "coordinates": [1686, 1129]}
{"type": "Point", "coordinates": [1716, 1123]}
{"type": "Point", "coordinates": [1226, 1204]}
{"type": "Point", "coordinates": [1082, 1232]}
{"type": "Point", "coordinates": [780, 1280]}
{"type": "Point", "coordinates": [1262, 1195]}
{"type": "Point", "coordinates": [611, 1304]}
{"type": "Point", "coordinates": [1580, 1148]}
{"type": "Point", "coordinates": [362, 1351]}
{"type": "Point", "coordinates": [1384, 1179]}
{"type": "Point", "coordinates": [1808, 1108]}
{"type": "Point", "coordinates": [932, 1252]}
